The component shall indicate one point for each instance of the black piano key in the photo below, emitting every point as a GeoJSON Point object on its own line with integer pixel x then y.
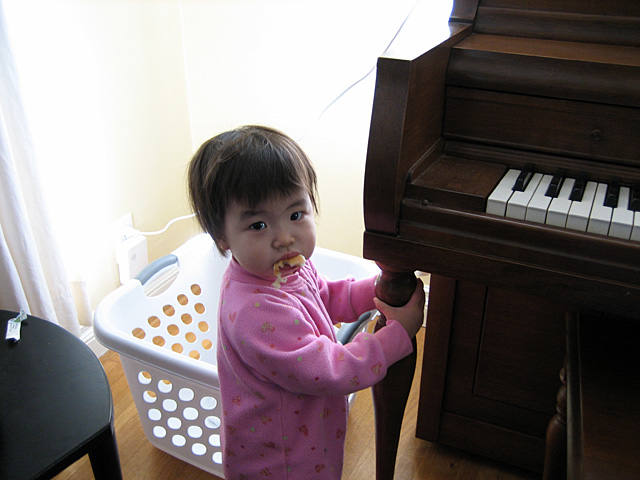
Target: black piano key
{"type": "Point", "coordinates": [578, 188]}
{"type": "Point", "coordinates": [556, 184]}
{"type": "Point", "coordinates": [634, 198]}
{"type": "Point", "coordinates": [613, 191]}
{"type": "Point", "coordinates": [523, 179]}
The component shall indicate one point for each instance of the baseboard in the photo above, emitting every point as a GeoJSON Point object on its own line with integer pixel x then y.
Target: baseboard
{"type": "Point", "coordinates": [89, 338]}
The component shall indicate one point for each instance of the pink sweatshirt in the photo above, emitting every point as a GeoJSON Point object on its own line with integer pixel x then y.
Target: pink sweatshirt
{"type": "Point", "coordinates": [284, 377]}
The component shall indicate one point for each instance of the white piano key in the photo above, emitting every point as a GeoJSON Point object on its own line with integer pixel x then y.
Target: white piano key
{"type": "Point", "coordinates": [497, 201]}
{"type": "Point", "coordinates": [539, 204]}
{"type": "Point", "coordinates": [622, 217]}
{"type": "Point", "coordinates": [635, 232]}
{"type": "Point", "coordinates": [517, 204]}
{"type": "Point", "coordinates": [600, 217]}
{"type": "Point", "coordinates": [580, 212]}
{"type": "Point", "coordinates": [559, 207]}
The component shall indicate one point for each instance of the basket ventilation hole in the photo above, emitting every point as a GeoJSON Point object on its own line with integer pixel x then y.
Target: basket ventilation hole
{"type": "Point", "coordinates": [150, 396]}
{"type": "Point", "coordinates": [174, 423]}
{"type": "Point", "coordinates": [195, 288]}
{"type": "Point", "coordinates": [208, 403]}
{"type": "Point", "coordinates": [190, 337]}
{"type": "Point", "coordinates": [207, 344]}
{"type": "Point", "coordinates": [159, 341]}
{"type": "Point", "coordinates": [194, 431]}
{"type": "Point", "coordinates": [154, 414]}
{"type": "Point", "coordinates": [198, 449]}
{"type": "Point", "coordinates": [138, 333]}
{"type": "Point", "coordinates": [182, 299]}
{"type": "Point", "coordinates": [190, 413]}
{"type": "Point", "coordinates": [159, 432]}
{"type": "Point", "coordinates": [186, 319]}
{"type": "Point", "coordinates": [165, 386]}
{"type": "Point", "coordinates": [217, 458]}
{"type": "Point", "coordinates": [203, 326]}
{"type": "Point", "coordinates": [173, 330]}
{"type": "Point", "coordinates": [214, 440]}
{"type": "Point", "coordinates": [178, 348]}
{"type": "Point", "coordinates": [178, 440]}
{"type": "Point", "coordinates": [185, 394]}
{"type": "Point", "coordinates": [169, 310]}
{"type": "Point", "coordinates": [212, 422]}
{"type": "Point", "coordinates": [199, 308]}
{"type": "Point", "coordinates": [144, 378]}
{"type": "Point", "coordinates": [169, 405]}
{"type": "Point", "coordinates": [194, 354]}
{"type": "Point", "coordinates": [154, 322]}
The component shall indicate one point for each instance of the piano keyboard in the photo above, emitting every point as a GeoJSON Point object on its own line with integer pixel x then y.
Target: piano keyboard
{"type": "Point", "coordinates": [574, 203]}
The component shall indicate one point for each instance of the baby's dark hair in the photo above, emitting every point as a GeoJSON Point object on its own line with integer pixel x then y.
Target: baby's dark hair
{"type": "Point", "coordinates": [248, 165]}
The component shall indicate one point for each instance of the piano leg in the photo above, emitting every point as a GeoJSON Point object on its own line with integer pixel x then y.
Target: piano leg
{"type": "Point", "coordinates": [390, 395]}
{"type": "Point", "coordinates": [555, 459]}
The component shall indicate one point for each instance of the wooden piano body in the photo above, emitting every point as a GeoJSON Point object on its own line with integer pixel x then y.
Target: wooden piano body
{"type": "Point", "coordinates": [553, 83]}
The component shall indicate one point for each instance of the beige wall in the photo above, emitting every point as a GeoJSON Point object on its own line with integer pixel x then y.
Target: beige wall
{"type": "Point", "coordinates": [277, 64]}
{"type": "Point", "coordinates": [281, 62]}
{"type": "Point", "coordinates": [121, 92]}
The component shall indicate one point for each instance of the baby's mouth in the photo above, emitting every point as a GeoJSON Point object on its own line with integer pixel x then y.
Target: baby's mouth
{"type": "Point", "coordinates": [285, 267]}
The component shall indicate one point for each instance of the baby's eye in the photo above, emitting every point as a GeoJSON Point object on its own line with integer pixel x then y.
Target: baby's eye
{"type": "Point", "coordinates": [258, 226]}
{"type": "Point", "coordinates": [296, 216]}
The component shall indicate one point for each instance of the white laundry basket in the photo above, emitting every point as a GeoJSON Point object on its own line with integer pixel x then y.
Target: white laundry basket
{"type": "Point", "coordinates": [164, 328]}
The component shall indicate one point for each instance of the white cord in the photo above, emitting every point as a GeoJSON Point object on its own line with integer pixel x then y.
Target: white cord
{"type": "Point", "coordinates": [171, 222]}
{"type": "Point", "coordinates": [366, 75]}
{"type": "Point", "coordinates": [184, 217]}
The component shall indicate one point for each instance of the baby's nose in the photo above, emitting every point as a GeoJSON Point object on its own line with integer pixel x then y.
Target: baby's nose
{"type": "Point", "coordinates": [283, 239]}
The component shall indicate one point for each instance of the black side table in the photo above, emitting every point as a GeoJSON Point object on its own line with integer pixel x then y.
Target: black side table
{"type": "Point", "coordinates": [55, 404]}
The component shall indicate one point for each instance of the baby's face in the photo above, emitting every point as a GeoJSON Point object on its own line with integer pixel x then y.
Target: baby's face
{"type": "Point", "coordinates": [278, 228]}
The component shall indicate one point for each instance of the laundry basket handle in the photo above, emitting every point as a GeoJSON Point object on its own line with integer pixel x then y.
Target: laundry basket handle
{"type": "Point", "coordinates": [346, 332]}
{"type": "Point", "coordinates": [156, 266]}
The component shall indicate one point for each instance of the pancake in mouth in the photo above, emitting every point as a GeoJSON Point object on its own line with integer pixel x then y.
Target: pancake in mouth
{"type": "Point", "coordinates": [297, 261]}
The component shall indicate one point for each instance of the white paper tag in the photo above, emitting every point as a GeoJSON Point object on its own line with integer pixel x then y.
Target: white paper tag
{"type": "Point", "coordinates": [13, 327]}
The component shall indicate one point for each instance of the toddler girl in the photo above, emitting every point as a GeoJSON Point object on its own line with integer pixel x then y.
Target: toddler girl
{"type": "Point", "coordinates": [283, 376]}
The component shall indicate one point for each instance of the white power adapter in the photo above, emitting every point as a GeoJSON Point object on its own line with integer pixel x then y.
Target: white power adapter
{"type": "Point", "coordinates": [131, 256]}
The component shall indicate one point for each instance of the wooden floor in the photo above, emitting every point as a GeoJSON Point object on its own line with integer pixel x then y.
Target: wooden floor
{"type": "Point", "coordinates": [417, 459]}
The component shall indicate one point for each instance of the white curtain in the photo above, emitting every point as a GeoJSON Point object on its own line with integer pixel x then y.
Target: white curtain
{"type": "Point", "coordinates": [32, 276]}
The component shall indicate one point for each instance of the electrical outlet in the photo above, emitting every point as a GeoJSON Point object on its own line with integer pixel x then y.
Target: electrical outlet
{"type": "Point", "coordinates": [130, 248]}
{"type": "Point", "coordinates": [122, 229]}
{"type": "Point", "coordinates": [132, 257]}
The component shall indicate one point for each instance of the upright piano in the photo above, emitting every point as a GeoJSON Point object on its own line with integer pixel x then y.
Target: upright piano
{"type": "Point", "coordinates": [505, 161]}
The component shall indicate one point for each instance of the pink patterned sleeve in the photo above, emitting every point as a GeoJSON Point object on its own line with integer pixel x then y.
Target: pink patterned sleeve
{"type": "Point", "coordinates": [282, 345]}
{"type": "Point", "coordinates": [348, 298]}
